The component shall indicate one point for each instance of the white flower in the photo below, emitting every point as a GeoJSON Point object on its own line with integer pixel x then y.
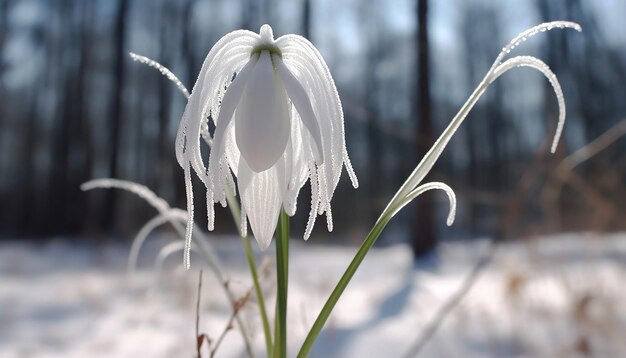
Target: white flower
{"type": "Point", "coordinates": [278, 122]}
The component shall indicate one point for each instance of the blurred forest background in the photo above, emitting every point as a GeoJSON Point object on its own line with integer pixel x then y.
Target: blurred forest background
{"type": "Point", "coordinates": [74, 106]}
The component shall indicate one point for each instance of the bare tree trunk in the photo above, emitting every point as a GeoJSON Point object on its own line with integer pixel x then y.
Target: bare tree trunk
{"type": "Point", "coordinates": [4, 113]}
{"type": "Point", "coordinates": [249, 15]}
{"type": "Point", "coordinates": [4, 28]}
{"type": "Point", "coordinates": [23, 192]}
{"type": "Point", "coordinates": [191, 63]}
{"type": "Point", "coordinates": [116, 110]}
{"type": "Point", "coordinates": [163, 150]}
{"type": "Point", "coordinates": [424, 237]}
{"type": "Point", "coordinates": [486, 126]}
{"type": "Point", "coordinates": [57, 184]}
{"type": "Point", "coordinates": [306, 19]}
{"type": "Point", "coordinates": [72, 153]}
{"type": "Point", "coordinates": [374, 133]}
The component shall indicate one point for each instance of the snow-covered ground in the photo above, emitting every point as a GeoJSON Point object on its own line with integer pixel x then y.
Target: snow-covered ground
{"type": "Point", "coordinates": [560, 296]}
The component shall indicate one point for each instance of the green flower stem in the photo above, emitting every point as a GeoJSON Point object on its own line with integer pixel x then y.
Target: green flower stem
{"type": "Point", "coordinates": [235, 211]}
{"type": "Point", "coordinates": [342, 284]}
{"type": "Point", "coordinates": [282, 270]}
{"type": "Point", "coordinates": [276, 330]}
{"type": "Point", "coordinates": [259, 296]}
{"type": "Point", "coordinates": [394, 205]}
{"type": "Point", "coordinates": [410, 189]}
{"type": "Point", "coordinates": [397, 202]}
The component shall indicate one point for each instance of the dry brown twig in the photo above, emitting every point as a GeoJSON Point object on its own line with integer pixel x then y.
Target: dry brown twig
{"type": "Point", "coordinates": [199, 337]}
{"type": "Point", "coordinates": [237, 306]}
{"type": "Point", "coordinates": [604, 210]}
{"type": "Point", "coordinates": [202, 337]}
{"type": "Point", "coordinates": [594, 147]}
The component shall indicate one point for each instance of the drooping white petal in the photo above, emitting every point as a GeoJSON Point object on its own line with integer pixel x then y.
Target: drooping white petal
{"type": "Point", "coordinates": [296, 160]}
{"type": "Point", "coordinates": [328, 112]}
{"type": "Point", "coordinates": [227, 57]}
{"type": "Point", "coordinates": [296, 164]}
{"type": "Point", "coordinates": [281, 145]}
{"type": "Point", "coordinates": [231, 151]}
{"type": "Point", "coordinates": [261, 198]}
{"type": "Point", "coordinates": [315, 200]}
{"type": "Point", "coordinates": [231, 99]}
{"type": "Point", "coordinates": [308, 66]}
{"type": "Point", "coordinates": [301, 101]}
{"type": "Point", "coordinates": [309, 69]}
{"type": "Point", "coordinates": [262, 120]}
{"type": "Point", "coordinates": [286, 179]}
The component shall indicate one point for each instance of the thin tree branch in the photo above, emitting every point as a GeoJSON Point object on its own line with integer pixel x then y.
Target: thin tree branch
{"type": "Point", "coordinates": [237, 306]}
{"type": "Point", "coordinates": [198, 337]}
{"type": "Point", "coordinates": [594, 147]}
{"type": "Point", "coordinates": [453, 302]}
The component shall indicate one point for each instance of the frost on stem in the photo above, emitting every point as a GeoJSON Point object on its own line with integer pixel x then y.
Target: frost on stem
{"type": "Point", "coordinates": [204, 133]}
{"type": "Point", "coordinates": [164, 71]}
{"type": "Point", "coordinates": [170, 216]}
{"type": "Point", "coordinates": [533, 62]}
{"type": "Point", "coordinates": [140, 238]}
{"type": "Point", "coordinates": [497, 69]}
{"type": "Point", "coordinates": [424, 188]}
{"type": "Point", "coordinates": [166, 214]}
{"type": "Point", "coordinates": [204, 130]}
{"type": "Point", "coordinates": [522, 37]}
{"type": "Point", "coordinates": [412, 188]}
{"type": "Point", "coordinates": [140, 190]}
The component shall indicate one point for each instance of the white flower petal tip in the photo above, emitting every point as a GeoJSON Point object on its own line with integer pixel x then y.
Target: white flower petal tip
{"type": "Point", "coordinates": [264, 242]}
{"type": "Point", "coordinates": [278, 124]}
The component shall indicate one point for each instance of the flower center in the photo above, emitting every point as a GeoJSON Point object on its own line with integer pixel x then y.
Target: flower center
{"type": "Point", "coordinates": [272, 49]}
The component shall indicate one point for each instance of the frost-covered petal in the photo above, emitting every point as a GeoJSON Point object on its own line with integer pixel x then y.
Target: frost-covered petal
{"type": "Point", "coordinates": [296, 164]}
{"type": "Point", "coordinates": [262, 120]}
{"type": "Point", "coordinates": [227, 57]}
{"type": "Point", "coordinates": [261, 198]}
{"type": "Point", "coordinates": [301, 101]}
{"type": "Point", "coordinates": [231, 99]}
{"type": "Point", "coordinates": [308, 67]}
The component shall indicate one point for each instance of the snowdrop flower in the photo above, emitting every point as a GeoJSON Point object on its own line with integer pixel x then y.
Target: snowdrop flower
{"type": "Point", "coordinates": [278, 123]}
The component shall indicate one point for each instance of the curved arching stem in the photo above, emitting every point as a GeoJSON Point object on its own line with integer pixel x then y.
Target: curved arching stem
{"type": "Point", "coordinates": [411, 188]}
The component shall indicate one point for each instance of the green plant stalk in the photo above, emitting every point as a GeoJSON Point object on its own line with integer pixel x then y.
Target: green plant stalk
{"type": "Point", "coordinates": [235, 211]}
{"type": "Point", "coordinates": [259, 296]}
{"type": "Point", "coordinates": [413, 181]}
{"type": "Point", "coordinates": [276, 330]}
{"type": "Point", "coordinates": [342, 284]}
{"type": "Point", "coordinates": [409, 190]}
{"type": "Point", "coordinates": [282, 273]}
